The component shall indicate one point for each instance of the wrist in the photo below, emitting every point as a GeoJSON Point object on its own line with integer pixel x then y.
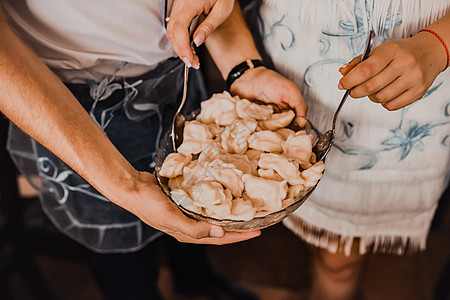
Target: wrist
{"type": "Point", "coordinates": [435, 48]}
{"type": "Point", "coordinates": [240, 69]}
{"type": "Point", "coordinates": [121, 188]}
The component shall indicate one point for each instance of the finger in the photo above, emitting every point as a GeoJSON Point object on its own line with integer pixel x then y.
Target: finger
{"type": "Point", "coordinates": [292, 97]}
{"type": "Point", "coordinates": [219, 13]}
{"type": "Point", "coordinates": [401, 101]}
{"type": "Point", "coordinates": [178, 32]}
{"type": "Point", "coordinates": [298, 104]}
{"type": "Point", "coordinates": [376, 83]}
{"type": "Point", "coordinates": [187, 229]}
{"type": "Point", "coordinates": [391, 91]}
{"type": "Point", "coordinates": [350, 65]}
{"type": "Point", "coordinates": [228, 238]}
{"type": "Point", "coordinates": [366, 69]}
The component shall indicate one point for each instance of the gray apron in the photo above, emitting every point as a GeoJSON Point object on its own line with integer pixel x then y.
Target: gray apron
{"type": "Point", "coordinates": [134, 113]}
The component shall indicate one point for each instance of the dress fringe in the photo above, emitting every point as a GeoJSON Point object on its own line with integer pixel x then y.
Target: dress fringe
{"type": "Point", "coordinates": [334, 242]}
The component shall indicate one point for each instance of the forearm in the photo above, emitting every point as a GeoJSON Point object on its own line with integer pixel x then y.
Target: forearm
{"type": "Point", "coordinates": [231, 43]}
{"type": "Point", "coordinates": [38, 102]}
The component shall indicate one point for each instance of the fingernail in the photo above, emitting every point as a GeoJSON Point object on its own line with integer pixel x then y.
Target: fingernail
{"type": "Point", "coordinates": [340, 86]}
{"type": "Point", "coordinates": [216, 232]}
{"type": "Point", "coordinates": [344, 66]}
{"type": "Point", "coordinates": [196, 66]}
{"type": "Point", "coordinates": [187, 62]}
{"type": "Point", "coordinates": [199, 39]}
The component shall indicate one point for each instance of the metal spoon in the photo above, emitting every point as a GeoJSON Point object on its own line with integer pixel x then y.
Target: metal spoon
{"type": "Point", "coordinates": [178, 119]}
{"type": "Point", "coordinates": [323, 145]}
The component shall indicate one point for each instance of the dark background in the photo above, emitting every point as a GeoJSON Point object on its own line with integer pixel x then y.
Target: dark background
{"type": "Point", "coordinates": [37, 262]}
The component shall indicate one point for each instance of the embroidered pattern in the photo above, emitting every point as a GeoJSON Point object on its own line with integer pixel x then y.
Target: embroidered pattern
{"type": "Point", "coordinates": [279, 26]}
{"type": "Point", "coordinates": [405, 138]}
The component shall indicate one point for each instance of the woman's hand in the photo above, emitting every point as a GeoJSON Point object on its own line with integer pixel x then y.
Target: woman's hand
{"type": "Point", "coordinates": [397, 73]}
{"type": "Point", "coordinates": [269, 86]}
{"type": "Point", "coordinates": [183, 12]}
{"type": "Point", "coordinates": [155, 209]}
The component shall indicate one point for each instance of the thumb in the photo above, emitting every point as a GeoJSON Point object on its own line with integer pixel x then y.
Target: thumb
{"type": "Point", "coordinates": [200, 230]}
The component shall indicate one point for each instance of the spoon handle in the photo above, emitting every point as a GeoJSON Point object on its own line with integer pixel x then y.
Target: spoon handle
{"type": "Point", "coordinates": [347, 92]}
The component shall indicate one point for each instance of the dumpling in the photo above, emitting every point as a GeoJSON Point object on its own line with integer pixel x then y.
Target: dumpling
{"type": "Point", "coordinates": [269, 174]}
{"type": "Point", "coordinates": [283, 166]}
{"type": "Point", "coordinates": [250, 110]}
{"type": "Point", "coordinates": [257, 203]}
{"type": "Point", "coordinates": [266, 140]}
{"type": "Point", "coordinates": [234, 137]}
{"type": "Point", "coordinates": [194, 172]}
{"type": "Point", "coordinates": [189, 147]}
{"type": "Point", "coordinates": [253, 154]}
{"type": "Point", "coordinates": [215, 129]}
{"type": "Point", "coordinates": [219, 109]}
{"type": "Point", "coordinates": [313, 174]}
{"type": "Point", "coordinates": [206, 193]}
{"type": "Point", "coordinates": [278, 121]}
{"type": "Point", "coordinates": [270, 192]}
{"type": "Point", "coordinates": [240, 162]}
{"type": "Point", "coordinates": [195, 136]}
{"type": "Point", "coordinates": [183, 199]}
{"type": "Point", "coordinates": [299, 148]}
{"type": "Point", "coordinates": [222, 209]}
{"type": "Point", "coordinates": [228, 177]}
{"type": "Point", "coordinates": [242, 209]}
{"type": "Point", "coordinates": [173, 165]}
{"type": "Point", "coordinates": [176, 183]}
{"type": "Point", "coordinates": [285, 132]}
{"type": "Point", "coordinates": [295, 190]}
{"type": "Point", "coordinates": [196, 131]}
{"type": "Point", "coordinates": [210, 152]}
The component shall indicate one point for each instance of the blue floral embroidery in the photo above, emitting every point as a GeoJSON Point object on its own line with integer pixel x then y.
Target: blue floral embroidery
{"type": "Point", "coordinates": [326, 46]}
{"type": "Point", "coordinates": [412, 139]}
{"type": "Point", "coordinates": [348, 128]}
{"type": "Point", "coordinates": [403, 138]}
{"type": "Point", "coordinates": [356, 39]}
{"type": "Point", "coordinates": [279, 25]}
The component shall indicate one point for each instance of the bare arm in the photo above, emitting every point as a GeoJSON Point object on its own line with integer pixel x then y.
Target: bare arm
{"type": "Point", "coordinates": [39, 103]}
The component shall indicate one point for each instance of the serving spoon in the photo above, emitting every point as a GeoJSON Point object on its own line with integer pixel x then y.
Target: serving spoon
{"type": "Point", "coordinates": [179, 119]}
{"type": "Point", "coordinates": [326, 140]}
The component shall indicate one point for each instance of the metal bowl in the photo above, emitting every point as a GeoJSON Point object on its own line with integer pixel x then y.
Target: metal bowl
{"type": "Point", "coordinates": [259, 222]}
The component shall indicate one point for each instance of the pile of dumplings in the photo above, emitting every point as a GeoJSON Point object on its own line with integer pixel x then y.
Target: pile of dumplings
{"type": "Point", "coordinates": [238, 161]}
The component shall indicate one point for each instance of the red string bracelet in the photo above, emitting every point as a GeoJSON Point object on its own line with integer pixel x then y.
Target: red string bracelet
{"type": "Point", "coordinates": [442, 42]}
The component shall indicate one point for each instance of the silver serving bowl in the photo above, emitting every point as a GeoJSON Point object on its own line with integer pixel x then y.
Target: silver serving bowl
{"type": "Point", "coordinates": [259, 222]}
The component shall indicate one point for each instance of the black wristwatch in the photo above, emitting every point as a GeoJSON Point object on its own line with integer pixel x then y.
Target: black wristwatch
{"type": "Point", "coordinates": [240, 69]}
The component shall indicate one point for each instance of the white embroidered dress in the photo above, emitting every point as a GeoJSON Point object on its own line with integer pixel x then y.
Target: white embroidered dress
{"type": "Point", "coordinates": [388, 169]}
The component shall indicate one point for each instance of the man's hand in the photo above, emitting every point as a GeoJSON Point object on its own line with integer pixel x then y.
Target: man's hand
{"type": "Point", "coordinates": [155, 209]}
